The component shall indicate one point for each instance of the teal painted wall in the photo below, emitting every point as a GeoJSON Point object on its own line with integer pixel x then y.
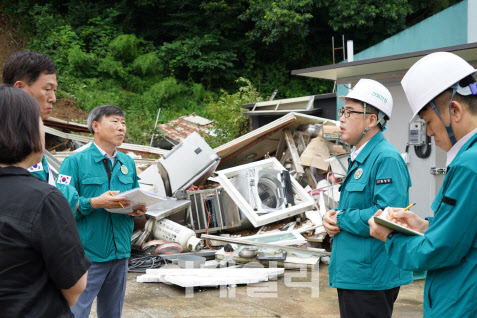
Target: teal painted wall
{"type": "Point", "coordinates": [446, 28]}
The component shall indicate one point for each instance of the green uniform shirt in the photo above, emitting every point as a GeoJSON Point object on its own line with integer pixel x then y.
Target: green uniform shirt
{"type": "Point", "coordinates": [448, 250]}
{"type": "Point", "coordinates": [82, 176]}
{"type": "Point", "coordinates": [377, 178]}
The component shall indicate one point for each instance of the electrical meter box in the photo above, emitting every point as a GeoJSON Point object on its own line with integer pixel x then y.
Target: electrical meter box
{"type": "Point", "coordinates": [417, 133]}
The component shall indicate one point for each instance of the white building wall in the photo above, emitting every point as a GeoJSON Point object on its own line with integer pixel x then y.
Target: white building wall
{"type": "Point", "coordinates": [471, 21]}
{"type": "Point", "coordinates": [425, 186]}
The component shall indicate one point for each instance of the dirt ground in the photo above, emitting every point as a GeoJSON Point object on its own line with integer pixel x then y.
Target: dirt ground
{"type": "Point", "coordinates": [11, 40]}
{"type": "Point", "coordinates": [290, 295]}
{"type": "Point", "coordinates": [66, 109]}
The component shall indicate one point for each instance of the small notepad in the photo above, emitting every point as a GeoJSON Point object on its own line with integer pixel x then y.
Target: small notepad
{"type": "Point", "coordinates": [393, 226]}
{"type": "Point", "coordinates": [137, 197]}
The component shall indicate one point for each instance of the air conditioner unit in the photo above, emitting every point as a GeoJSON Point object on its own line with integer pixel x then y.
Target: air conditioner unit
{"type": "Point", "coordinates": [213, 209]}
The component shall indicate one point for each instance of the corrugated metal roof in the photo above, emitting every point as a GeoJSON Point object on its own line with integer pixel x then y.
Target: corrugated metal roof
{"type": "Point", "coordinates": [180, 128]}
{"type": "Point", "coordinates": [71, 126]}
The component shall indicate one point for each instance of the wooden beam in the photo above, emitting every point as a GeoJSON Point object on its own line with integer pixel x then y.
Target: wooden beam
{"type": "Point", "coordinates": [280, 148]}
{"type": "Point", "coordinates": [293, 152]}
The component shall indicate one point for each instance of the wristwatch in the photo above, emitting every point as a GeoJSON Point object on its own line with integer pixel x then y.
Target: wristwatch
{"type": "Point", "coordinates": [390, 235]}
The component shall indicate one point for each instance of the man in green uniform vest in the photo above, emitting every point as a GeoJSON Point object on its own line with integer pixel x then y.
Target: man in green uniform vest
{"type": "Point", "coordinates": [91, 181]}
{"type": "Point", "coordinates": [367, 282]}
{"type": "Point", "coordinates": [441, 90]}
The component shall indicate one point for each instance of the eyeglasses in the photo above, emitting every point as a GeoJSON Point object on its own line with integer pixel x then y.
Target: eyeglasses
{"type": "Point", "coordinates": [347, 112]}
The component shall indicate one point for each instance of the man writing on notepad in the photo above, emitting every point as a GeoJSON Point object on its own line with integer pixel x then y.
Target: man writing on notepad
{"type": "Point", "coordinates": [90, 180]}
{"type": "Point", "coordinates": [441, 89]}
{"type": "Point", "coordinates": [367, 282]}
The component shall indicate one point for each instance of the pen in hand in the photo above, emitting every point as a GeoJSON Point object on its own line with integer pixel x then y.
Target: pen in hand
{"type": "Point", "coordinates": [118, 201]}
{"type": "Point", "coordinates": [405, 209]}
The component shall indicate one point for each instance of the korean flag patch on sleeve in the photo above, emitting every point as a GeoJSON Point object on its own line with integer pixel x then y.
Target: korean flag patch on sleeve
{"type": "Point", "coordinates": [63, 179]}
{"type": "Point", "coordinates": [37, 167]}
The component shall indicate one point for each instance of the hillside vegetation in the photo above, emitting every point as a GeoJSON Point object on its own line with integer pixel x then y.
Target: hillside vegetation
{"type": "Point", "coordinates": [203, 56]}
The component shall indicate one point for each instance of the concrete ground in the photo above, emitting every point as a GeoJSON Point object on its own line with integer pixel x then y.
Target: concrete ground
{"type": "Point", "coordinates": [294, 294]}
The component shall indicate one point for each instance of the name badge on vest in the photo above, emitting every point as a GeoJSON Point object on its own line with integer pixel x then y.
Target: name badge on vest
{"type": "Point", "coordinates": [124, 169]}
{"type": "Point", "coordinates": [384, 181]}
{"type": "Point", "coordinates": [37, 167]}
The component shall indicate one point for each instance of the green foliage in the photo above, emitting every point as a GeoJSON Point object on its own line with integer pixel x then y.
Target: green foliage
{"type": "Point", "coordinates": [275, 20]}
{"type": "Point", "coordinates": [125, 47]}
{"type": "Point", "coordinates": [147, 64]}
{"type": "Point", "coordinates": [363, 14]}
{"type": "Point", "coordinates": [99, 31]}
{"type": "Point", "coordinates": [82, 63]}
{"type": "Point", "coordinates": [185, 56]}
{"type": "Point", "coordinates": [199, 58]}
{"type": "Point", "coordinates": [227, 113]}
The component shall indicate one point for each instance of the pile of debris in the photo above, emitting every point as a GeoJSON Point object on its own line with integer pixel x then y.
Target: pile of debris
{"type": "Point", "coordinates": [262, 196]}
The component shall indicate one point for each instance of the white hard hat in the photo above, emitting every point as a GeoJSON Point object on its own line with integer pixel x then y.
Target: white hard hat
{"type": "Point", "coordinates": [432, 75]}
{"type": "Point", "coordinates": [372, 93]}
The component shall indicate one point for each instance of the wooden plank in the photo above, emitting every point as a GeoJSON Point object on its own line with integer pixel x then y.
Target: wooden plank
{"type": "Point", "coordinates": [301, 145]}
{"type": "Point", "coordinates": [293, 152]}
{"type": "Point", "coordinates": [285, 157]}
{"type": "Point", "coordinates": [310, 178]}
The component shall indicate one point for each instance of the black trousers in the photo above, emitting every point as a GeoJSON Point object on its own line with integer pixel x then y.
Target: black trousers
{"type": "Point", "coordinates": [367, 303]}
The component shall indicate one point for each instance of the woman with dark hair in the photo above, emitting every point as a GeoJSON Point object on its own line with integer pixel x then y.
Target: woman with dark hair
{"type": "Point", "coordinates": [43, 268]}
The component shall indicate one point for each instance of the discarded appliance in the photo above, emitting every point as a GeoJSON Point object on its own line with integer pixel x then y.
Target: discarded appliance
{"type": "Point", "coordinates": [214, 210]}
{"type": "Point", "coordinates": [151, 180]}
{"type": "Point", "coordinates": [266, 190]}
{"type": "Point", "coordinates": [168, 230]}
{"type": "Point", "coordinates": [261, 113]}
{"type": "Point", "coordinates": [339, 165]}
{"type": "Point", "coordinates": [166, 208]}
{"type": "Point", "coordinates": [264, 197]}
{"type": "Point", "coordinates": [190, 162]}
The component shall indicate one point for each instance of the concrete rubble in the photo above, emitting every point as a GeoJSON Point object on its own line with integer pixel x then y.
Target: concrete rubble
{"type": "Point", "coordinates": [262, 195]}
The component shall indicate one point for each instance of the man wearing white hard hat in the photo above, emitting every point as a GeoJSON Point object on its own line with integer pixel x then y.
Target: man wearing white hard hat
{"type": "Point", "coordinates": [367, 281]}
{"type": "Point", "coordinates": [441, 90]}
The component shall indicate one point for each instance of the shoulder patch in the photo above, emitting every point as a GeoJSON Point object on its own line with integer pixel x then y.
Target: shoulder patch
{"type": "Point", "coordinates": [63, 179]}
{"type": "Point", "coordinates": [37, 167]}
{"type": "Point", "coordinates": [384, 181]}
